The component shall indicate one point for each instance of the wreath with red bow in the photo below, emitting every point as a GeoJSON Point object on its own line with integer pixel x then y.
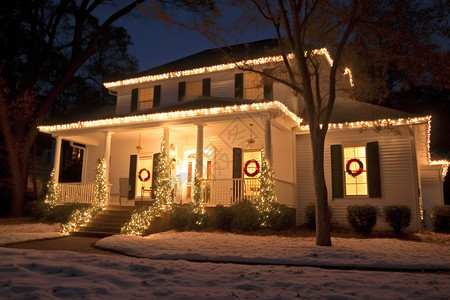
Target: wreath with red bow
{"type": "Point", "coordinates": [147, 176]}
{"type": "Point", "coordinates": [356, 172]}
{"type": "Point", "coordinates": [255, 172]}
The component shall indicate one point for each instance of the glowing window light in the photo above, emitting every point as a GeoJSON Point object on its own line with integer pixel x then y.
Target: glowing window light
{"type": "Point", "coordinates": [174, 115]}
{"type": "Point", "coordinates": [215, 68]}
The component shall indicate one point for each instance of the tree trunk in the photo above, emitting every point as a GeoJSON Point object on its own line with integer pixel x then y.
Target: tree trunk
{"type": "Point", "coordinates": [323, 237]}
{"type": "Point", "coordinates": [18, 163]}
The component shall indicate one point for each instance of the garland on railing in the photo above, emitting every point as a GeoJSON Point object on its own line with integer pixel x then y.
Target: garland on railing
{"type": "Point", "coordinates": [53, 196]}
{"type": "Point", "coordinates": [81, 217]}
{"type": "Point", "coordinates": [141, 220]}
{"type": "Point", "coordinates": [264, 203]}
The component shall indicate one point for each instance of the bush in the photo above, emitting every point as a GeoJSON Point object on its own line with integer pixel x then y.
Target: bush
{"type": "Point", "coordinates": [310, 215]}
{"type": "Point", "coordinates": [223, 218]}
{"type": "Point", "coordinates": [281, 217]}
{"type": "Point", "coordinates": [245, 216]}
{"type": "Point", "coordinates": [441, 218]}
{"type": "Point", "coordinates": [57, 214]}
{"type": "Point", "coordinates": [180, 217]}
{"type": "Point", "coordinates": [184, 218]}
{"type": "Point", "coordinates": [362, 218]}
{"type": "Point", "coordinates": [398, 217]}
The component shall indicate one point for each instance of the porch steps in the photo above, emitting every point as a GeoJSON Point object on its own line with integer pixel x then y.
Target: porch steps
{"type": "Point", "coordinates": [111, 220]}
{"type": "Point", "coordinates": [107, 222]}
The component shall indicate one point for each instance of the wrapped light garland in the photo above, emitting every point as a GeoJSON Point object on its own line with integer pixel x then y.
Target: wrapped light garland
{"type": "Point", "coordinates": [265, 201]}
{"type": "Point", "coordinates": [141, 220]}
{"type": "Point", "coordinates": [53, 196]}
{"type": "Point", "coordinates": [82, 217]}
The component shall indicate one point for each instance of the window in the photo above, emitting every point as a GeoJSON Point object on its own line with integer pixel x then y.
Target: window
{"type": "Point", "coordinates": [253, 86]}
{"type": "Point", "coordinates": [146, 98]}
{"type": "Point", "coordinates": [355, 168]}
{"type": "Point", "coordinates": [193, 89]}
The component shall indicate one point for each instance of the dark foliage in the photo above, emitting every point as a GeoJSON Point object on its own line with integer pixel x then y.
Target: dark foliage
{"type": "Point", "coordinates": [59, 214]}
{"type": "Point", "coordinates": [441, 218]}
{"type": "Point", "coordinates": [362, 218]}
{"type": "Point", "coordinates": [398, 217]}
{"type": "Point", "coordinates": [222, 218]}
{"type": "Point", "coordinates": [245, 217]}
{"type": "Point", "coordinates": [281, 217]}
{"type": "Point", "coordinates": [310, 215]}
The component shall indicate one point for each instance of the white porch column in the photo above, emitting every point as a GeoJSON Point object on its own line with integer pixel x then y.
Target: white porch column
{"type": "Point", "coordinates": [107, 153]}
{"type": "Point", "coordinates": [167, 141]}
{"type": "Point", "coordinates": [268, 140]}
{"type": "Point", "coordinates": [199, 154]}
{"type": "Point", "coordinates": [57, 158]}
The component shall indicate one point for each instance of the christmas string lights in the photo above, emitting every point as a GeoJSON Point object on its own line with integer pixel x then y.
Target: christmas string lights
{"type": "Point", "coordinates": [137, 119]}
{"type": "Point", "coordinates": [82, 217]}
{"type": "Point", "coordinates": [264, 203]}
{"type": "Point", "coordinates": [53, 196]}
{"type": "Point", "coordinates": [221, 67]}
{"type": "Point", "coordinates": [141, 220]}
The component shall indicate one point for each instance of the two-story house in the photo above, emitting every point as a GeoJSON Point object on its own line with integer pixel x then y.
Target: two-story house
{"type": "Point", "coordinates": [216, 119]}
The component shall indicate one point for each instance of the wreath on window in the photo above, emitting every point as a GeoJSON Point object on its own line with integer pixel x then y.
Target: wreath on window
{"type": "Point", "coordinates": [356, 172]}
{"type": "Point", "coordinates": [247, 164]}
{"type": "Point", "coordinates": [147, 175]}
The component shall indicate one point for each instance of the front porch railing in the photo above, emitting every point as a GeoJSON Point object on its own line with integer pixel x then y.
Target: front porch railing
{"type": "Point", "coordinates": [77, 192]}
{"type": "Point", "coordinates": [230, 191]}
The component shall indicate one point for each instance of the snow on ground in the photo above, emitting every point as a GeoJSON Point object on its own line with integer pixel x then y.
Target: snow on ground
{"type": "Point", "coordinates": [228, 247]}
{"type": "Point", "coordinates": [28, 232]}
{"type": "Point", "coordinates": [33, 274]}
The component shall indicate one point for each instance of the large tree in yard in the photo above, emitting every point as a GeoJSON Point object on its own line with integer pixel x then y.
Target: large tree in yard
{"type": "Point", "coordinates": [43, 44]}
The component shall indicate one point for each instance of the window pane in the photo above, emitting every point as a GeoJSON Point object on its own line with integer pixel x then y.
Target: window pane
{"type": "Point", "coordinates": [355, 185]}
{"type": "Point", "coordinates": [145, 98]}
{"type": "Point", "coordinates": [253, 86]}
{"type": "Point", "coordinates": [194, 88]}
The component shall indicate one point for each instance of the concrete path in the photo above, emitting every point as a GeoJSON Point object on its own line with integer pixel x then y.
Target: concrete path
{"type": "Point", "coordinates": [70, 243]}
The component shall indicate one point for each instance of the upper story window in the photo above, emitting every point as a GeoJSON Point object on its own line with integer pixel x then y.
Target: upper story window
{"type": "Point", "coordinates": [193, 89]}
{"type": "Point", "coordinates": [253, 86]}
{"type": "Point", "coordinates": [145, 98]}
{"type": "Point", "coordinates": [355, 168]}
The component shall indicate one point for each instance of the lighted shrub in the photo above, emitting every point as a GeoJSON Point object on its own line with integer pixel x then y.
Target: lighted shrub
{"type": "Point", "coordinates": [281, 217]}
{"type": "Point", "coordinates": [398, 217]}
{"type": "Point", "coordinates": [245, 217]}
{"type": "Point", "coordinates": [362, 218]}
{"type": "Point", "coordinates": [441, 218]}
{"type": "Point", "coordinates": [310, 215]}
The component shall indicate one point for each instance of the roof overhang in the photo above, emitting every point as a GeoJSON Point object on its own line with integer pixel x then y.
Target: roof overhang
{"type": "Point", "coordinates": [273, 109]}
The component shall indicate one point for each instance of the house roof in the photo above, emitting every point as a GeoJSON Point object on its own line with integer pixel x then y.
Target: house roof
{"type": "Point", "coordinates": [216, 56]}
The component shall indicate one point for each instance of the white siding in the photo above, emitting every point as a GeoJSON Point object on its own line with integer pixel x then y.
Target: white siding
{"type": "Point", "coordinates": [398, 178]}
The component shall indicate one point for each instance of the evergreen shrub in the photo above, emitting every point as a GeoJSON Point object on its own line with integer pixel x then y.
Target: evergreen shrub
{"type": "Point", "coordinates": [441, 218]}
{"type": "Point", "coordinates": [362, 218]}
{"type": "Point", "coordinates": [245, 217]}
{"type": "Point", "coordinates": [57, 214]}
{"type": "Point", "coordinates": [281, 217]}
{"type": "Point", "coordinates": [398, 217]}
{"type": "Point", "coordinates": [180, 217]}
{"type": "Point", "coordinates": [222, 218]}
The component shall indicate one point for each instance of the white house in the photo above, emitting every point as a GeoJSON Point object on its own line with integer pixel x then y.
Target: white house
{"type": "Point", "coordinates": [216, 118]}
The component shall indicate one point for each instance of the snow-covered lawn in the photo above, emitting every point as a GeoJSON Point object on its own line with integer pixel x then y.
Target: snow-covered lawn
{"type": "Point", "coordinates": [28, 232]}
{"type": "Point", "coordinates": [33, 274]}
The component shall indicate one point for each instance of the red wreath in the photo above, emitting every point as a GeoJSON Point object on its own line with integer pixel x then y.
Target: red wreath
{"type": "Point", "coordinates": [140, 175]}
{"type": "Point", "coordinates": [354, 173]}
{"type": "Point", "coordinates": [254, 173]}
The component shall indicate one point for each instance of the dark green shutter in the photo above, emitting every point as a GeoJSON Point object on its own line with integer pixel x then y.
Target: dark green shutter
{"type": "Point", "coordinates": [337, 171]}
{"type": "Point", "coordinates": [239, 85]}
{"type": "Point", "coordinates": [181, 90]}
{"type": "Point", "coordinates": [156, 95]}
{"type": "Point", "coordinates": [134, 100]}
{"type": "Point", "coordinates": [268, 91]}
{"type": "Point", "coordinates": [373, 169]}
{"type": "Point", "coordinates": [132, 177]}
{"type": "Point", "coordinates": [237, 163]}
{"type": "Point", "coordinates": [154, 173]}
{"type": "Point", "coordinates": [206, 87]}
